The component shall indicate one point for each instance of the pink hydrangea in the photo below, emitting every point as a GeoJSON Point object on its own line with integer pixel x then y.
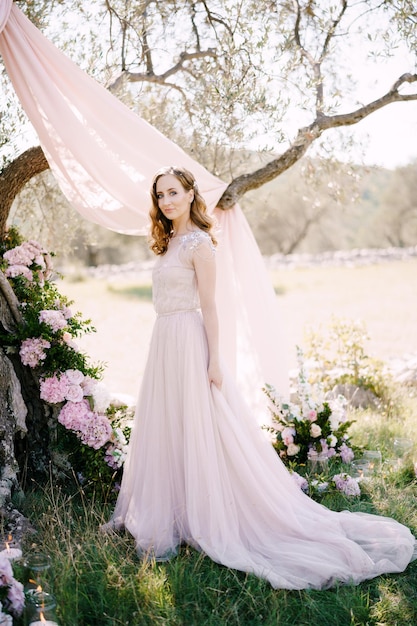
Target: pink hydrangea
{"type": "Point", "coordinates": [346, 484]}
{"type": "Point", "coordinates": [16, 598]}
{"type": "Point", "coordinates": [347, 455]}
{"type": "Point", "coordinates": [54, 389]}
{"type": "Point", "coordinates": [6, 571]}
{"type": "Point", "coordinates": [21, 255]}
{"type": "Point", "coordinates": [96, 431]}
{"type": "Point", "coordinates": [19, 270]}
{"type": "Point", "coordinates": [54, 319]}
{"type": "Point", "coordinates": [73, 415]}
{"type": "Point", "coordinates": [5, 620]}
{"type": "Point", "coordinates": [32, 351]}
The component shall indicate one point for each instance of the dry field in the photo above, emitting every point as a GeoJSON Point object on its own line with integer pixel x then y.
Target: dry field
{"type": "Point", "coordinates": [384, 296]}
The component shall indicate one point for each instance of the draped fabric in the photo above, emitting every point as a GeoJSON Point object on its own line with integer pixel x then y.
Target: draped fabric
{"type": "Point", "coordinates": [104, 156]}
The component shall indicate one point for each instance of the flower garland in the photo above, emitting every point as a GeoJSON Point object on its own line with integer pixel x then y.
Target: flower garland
{"type": "Point", "coordinates": [310, 431]}
{"type": "Point", "coordinates": [45, 343]}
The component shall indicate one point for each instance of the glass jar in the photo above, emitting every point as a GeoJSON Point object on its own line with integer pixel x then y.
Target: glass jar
{"type": "Point", "coordinates": [37, 572]}
{"type": "Point", "coordinates": [40, 609]}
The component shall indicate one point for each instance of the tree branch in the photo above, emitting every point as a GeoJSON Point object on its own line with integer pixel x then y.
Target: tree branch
{"type": "Point", "coordinates": [150, 77]}
{"type": "Point", "coordinates": [305, 137]}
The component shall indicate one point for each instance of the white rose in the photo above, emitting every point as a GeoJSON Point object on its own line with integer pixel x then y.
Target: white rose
{"type": "Point", "coordinates": [315, 430]}
{"type": "Point", "coordinates": [74, 393]}
{"type": "Point", "coordinates": [293, 449]}
{"type": "Point", "coordinates": [75, 377]}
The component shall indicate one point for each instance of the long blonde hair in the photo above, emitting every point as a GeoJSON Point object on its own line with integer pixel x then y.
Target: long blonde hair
{"type": "Point", "coordinates": [161, 227]}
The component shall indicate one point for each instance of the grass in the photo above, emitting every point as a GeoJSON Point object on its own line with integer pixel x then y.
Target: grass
{"type": "Point", "coordinates": [100, 580]}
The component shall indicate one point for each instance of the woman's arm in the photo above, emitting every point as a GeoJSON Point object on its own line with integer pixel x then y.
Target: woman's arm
{"type": "Point", "coordinates": [205, 268]}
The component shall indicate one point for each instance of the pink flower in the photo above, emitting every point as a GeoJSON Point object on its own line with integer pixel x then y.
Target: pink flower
{"type": "Point", "coordinates": [88, 385]}
{"type": "Point", "coordinates": [347, 455]}
{"type": "Point", "coordinates": [346, 484]}
{"type": "Point", "coordinates": [6, 572]}
{"type": "Point", "coordinates": [96, 431]}
{"type": "Point", "coordinates": [54, 389]}
{"type": "Point", "coordinates": [312, 415]}
{"type": "Point", "coordinates": [16, 597]}
{"type": "Point", "coordinates": [19, 256]}
{"type": "Point", "coordinates": [19, 270]}
{"type": "Point", "coordinates": [66, 312]}
{"type": "Point", "coordinates": [5, 618]}
{"type": "Point", "coordinates": [74, 414]}
{"type": "Point", "coordinates": [287, 435]}
{"type": "Point", "coordinates": [54, 319]}
{"type": "Point", "coordinates": [32, 351]}
{"type": "Point", "coordinates": [74, 393]}
{"type": "Point", "coordinates": [75, 377]}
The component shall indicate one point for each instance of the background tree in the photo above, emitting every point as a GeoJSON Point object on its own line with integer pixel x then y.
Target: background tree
{"type": "Point", "coordinates": [396, 222]}
{"type": "Point", "coordinates": [216, 78]}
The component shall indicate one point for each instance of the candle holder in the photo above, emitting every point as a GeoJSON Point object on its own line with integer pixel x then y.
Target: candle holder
{"type": "Point", "coordinates": [374, 458]}
{"type": "Point", "coordinates": [360, 469]}
{"type": "Point", "coordinates": [37, 572]}
{"type": "Point", "coordinates": [41, 609]}
{"type": "Point", "coordinates": [402, 447]}
{"type": "Point", "coordinates": [318, 464]}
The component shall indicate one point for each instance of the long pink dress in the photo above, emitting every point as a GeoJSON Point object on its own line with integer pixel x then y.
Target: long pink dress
{"type": "Point", "coordinates": [200, 471]}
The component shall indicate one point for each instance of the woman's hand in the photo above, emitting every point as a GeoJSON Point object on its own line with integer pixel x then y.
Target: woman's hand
{"type": "Point", "coordinates": [215, 374]}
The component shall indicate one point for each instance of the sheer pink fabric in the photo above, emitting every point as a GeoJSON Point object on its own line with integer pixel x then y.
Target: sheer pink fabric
{"type": "Point", "coordinates": [104, 157]}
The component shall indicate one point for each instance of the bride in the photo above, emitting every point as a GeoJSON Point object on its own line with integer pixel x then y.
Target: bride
{"type": "Point", "coordinates": [199, 469]}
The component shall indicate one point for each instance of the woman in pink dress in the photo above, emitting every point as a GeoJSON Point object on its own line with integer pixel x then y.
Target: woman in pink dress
{"type": "Point", "coordinates": [200, 470]}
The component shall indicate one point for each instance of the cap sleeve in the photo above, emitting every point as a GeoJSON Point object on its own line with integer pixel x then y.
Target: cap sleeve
{"type": "Point", "coordinates": [196, 243]}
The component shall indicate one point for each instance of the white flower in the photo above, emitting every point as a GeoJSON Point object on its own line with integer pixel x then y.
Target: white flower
{"type": "Point", "coordinates": [293, 449]}
{"type": "Point", "coordinates": [101, 397]}
{"type": "Point", "coordinates": [315, 430]}
{"type": "Point", "coordinates": [75, 377]}
{"type": "Point", "coordinates": [332, 441]}
{"type": "Point", "coordinates": [74, 393]}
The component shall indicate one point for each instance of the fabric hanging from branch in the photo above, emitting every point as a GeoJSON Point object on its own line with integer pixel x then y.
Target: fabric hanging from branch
{"type": "Point", "coordinates": [104, 156]}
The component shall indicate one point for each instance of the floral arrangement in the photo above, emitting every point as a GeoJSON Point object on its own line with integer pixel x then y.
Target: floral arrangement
{"type": "Point", "coordinates": [12, 599]}
{"type": "Point", "coordinates": [311, 429]}
{"type": "Point", "coordinates": [45, 343]}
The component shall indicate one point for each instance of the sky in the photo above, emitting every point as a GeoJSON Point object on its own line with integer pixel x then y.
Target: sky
{"type": "Point", "coordinates": [390, 134]}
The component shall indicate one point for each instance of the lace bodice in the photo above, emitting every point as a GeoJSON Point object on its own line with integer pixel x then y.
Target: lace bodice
{"type": "Point", "coordinates": [174, 279]}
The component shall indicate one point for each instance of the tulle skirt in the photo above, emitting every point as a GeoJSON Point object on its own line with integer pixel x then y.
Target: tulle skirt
{"type": "Point", "coordinates": [200, 471]}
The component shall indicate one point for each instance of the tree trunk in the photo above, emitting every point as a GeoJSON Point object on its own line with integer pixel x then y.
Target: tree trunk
{"type": "Point", "coordinates": [15, 176]}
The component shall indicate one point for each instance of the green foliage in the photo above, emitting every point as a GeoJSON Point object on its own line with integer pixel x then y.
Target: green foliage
{"type": "Point", "coordinates": [340, 357]}
{"type": "Point", "coordinates": [42, 294]}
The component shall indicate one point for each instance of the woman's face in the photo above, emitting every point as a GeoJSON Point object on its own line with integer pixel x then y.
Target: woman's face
{"type": "Point", "coordinates": [173, 200]}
